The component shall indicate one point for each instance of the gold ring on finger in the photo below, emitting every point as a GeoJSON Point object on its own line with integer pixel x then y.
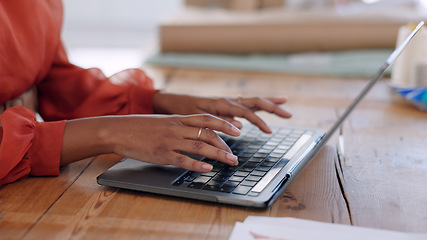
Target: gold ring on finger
{"type": "Point", "coordinates": [199, 133]}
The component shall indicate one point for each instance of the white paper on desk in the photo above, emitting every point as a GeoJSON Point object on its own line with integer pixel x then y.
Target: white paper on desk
{"type": "Point", "coordinates": [269, 228]}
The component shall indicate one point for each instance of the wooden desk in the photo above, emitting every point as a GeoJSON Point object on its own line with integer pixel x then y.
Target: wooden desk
{"type": "Point", "coordinates": [378, 182]}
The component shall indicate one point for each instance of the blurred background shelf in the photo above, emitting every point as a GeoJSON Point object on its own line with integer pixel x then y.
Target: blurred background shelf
{"type": "Point", "coordinates": [114, 35]}
{"type": "Point", "coordinates": [282, 30]}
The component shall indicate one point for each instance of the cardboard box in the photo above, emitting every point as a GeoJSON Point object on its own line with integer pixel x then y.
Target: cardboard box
{"type": "Point", "coordinates": [278, 31]}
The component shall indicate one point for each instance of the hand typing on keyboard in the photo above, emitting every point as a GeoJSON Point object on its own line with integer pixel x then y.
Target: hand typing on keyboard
{"type": "Point", "coordinates": [163, 139]}
{"type": "Point", "coordinates": [261, 157]}
{"type": "Point", "coordinates": [225, 108]}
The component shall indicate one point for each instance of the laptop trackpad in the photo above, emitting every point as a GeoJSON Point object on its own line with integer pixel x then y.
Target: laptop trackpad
{"type": "Point", "coordinates": [132, 171]}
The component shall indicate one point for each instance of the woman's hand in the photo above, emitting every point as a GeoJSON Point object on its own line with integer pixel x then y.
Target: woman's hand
{"type": "Point", "coordinates": [225, 108]}
{"type": "Point", "coordinates": [156, 139]}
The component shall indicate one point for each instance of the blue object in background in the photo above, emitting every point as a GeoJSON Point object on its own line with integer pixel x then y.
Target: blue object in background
{"type": "Point", "coordinates": [416, 96]}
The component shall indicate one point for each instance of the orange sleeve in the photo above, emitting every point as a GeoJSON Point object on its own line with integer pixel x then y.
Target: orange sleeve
{"type": "Point", "coordinates": [70, 92]}
{"type": "Point", "coordinates": [28, 147]}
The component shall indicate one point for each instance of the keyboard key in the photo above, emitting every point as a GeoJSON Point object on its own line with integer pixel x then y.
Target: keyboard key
{"type": "Point", "coordinates": [263, 168]}
{"type": "Point", "coordinates": [246, 169]}
{"type": "Point", "coordinates": [235, 179]}
{"type": "Point", "coordinates": [251, 165]}
{"type": "Point", "coordinates": [253, 194]}
{"type": "Point", "coordinates": [210, 161]}
{"type": "Point", "coordinates": [209, 174]}
{"type": "Point", "coordinates": [220, 178]}
{"type": "Point", "coordinates": [279, 152]}
{"type": "Point", "coordinates": [298, 131]}
{"type": "Point", "coordinates": [231, 184]}
{"type": "Point", "coordinates": [257, 173]}
{"type": "Point", "coordinates": [217, 168]}
{"type": "Point", "coordinates": [272, 160]}
{"type": "Point", "coordinates": [276, 155]}
{"type": "Point", "coordinates": [201, 179]}
{"type": "Point", "coordinates": [213, 182]}
{"type": "Point", "coordinates": [245, 155]}
{"type": "Point", "coordinates": [260, 155]}
{"type": "Point", "coordinates": [241, 174]}
{"type": "Point", "coordinates": [288, 142]}
{"type": "Point", "coordinates": [276, 140]}
{"type": "Point", "coordinates": [183, 178]}
{"type": "Point", "coordinates": [242, 190]}
{"type": "Point", "coordinates": [268, 147]}
{"type": "Point", "coordinates": [231, 169]}
{"type": "Point", "coordinates": [270, 144]}
{"type": "Point", "coordinates": [227, 189]}
{"type": "Point", "coordinates": [256, 159]}
{"type": "Point", "coordinates": [253, 178]}
{"type": "Point", "coordinates": [240, 146]}
{"type": "Point", "coordinates": [236, 151]}
{"type": "Point", "coordinates": [252, 148]}
{"type": "Point", "coordinates": [264, 151]}
{"type": "Point", "coordinates": [284, 131]}
{"type": "Point", "coordinates": [248, 183]}
{"type": "Point", "coordinates": [213, 185]}
{"type": "Point", "coordinates": [196, 185]}
{"type": "Point", "coordinates": [226, 171]}
{"type": "Point", "coordinates": [178, 182]}
{"type": "Point", "coordinates": [191, 178]}
{"type": "Point", "coordinates": [267, 164]}
{"type": "Point", "coordinates": [258, 143]}
{"type": "Point", "coordinates": [240, 164]}
{"type": "Point", "coordinates": [230, 141]}
{"type": "Point", "coordinates": [283, 147]}
{"type": "Point", "coordinates": [243, 159]}
{"type": "Point", "coordinates": [212, 188]}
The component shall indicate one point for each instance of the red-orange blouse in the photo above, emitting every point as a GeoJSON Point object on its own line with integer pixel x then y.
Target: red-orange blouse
{"type": "Point", "coordinates": [32, 54]}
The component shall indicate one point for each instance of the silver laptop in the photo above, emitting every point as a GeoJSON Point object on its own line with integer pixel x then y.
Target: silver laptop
{"type": "Point", "coordinates": [268, 163]}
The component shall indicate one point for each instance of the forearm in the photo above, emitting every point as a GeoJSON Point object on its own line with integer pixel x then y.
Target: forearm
{"type": "Point", "coordinates": [158, 139]}
{"type": "Point", "coordinates": [184, 104]}
{"type": "Point", "coordinates": [170, 103]}
{"type": "Point", "coordinates": [85, 138]}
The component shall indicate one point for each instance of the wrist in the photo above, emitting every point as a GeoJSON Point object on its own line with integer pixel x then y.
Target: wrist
{"type": "Point", "coordinates": [170, 103]}
{"type": "Point", "coordinates": [105, 134]}
{"type": "Point", "coordinates": [84, 138]}
{"type": "Point", "coordinates": [159, 102]}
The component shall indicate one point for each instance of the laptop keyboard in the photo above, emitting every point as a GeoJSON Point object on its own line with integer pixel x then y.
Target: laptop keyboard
{"type": "Point", "coordinates": [261, 156]}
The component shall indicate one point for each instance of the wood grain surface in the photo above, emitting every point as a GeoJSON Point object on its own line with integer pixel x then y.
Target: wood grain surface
{"type": "Point", "coordinates": [377, 180]}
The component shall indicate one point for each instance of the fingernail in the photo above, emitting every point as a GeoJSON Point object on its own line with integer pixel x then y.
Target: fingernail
{"type": "Point", "coordinates": [232, 158]}
{"type": "Point", "coordinates": [207, 166]}
{"type": "Point", "coordinates": [237, 124]}
{"type": "Point", "coordinates": [235, 130]}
